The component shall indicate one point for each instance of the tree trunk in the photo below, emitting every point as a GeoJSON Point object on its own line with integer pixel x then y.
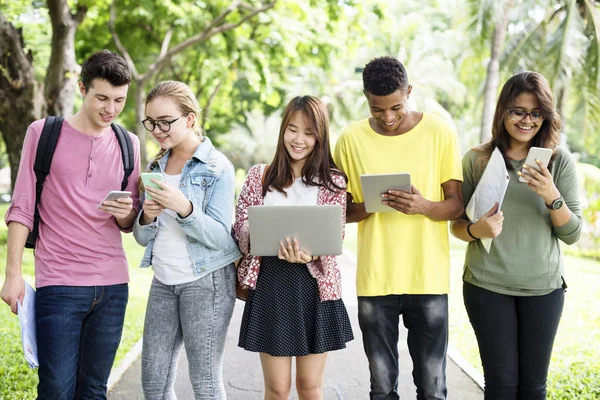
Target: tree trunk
{"type": "Point", "coordinates": [140, 112]}
{"type": "Point", "coordinates": [63, 70]}
{"type": "Point", "coordinates": [21, 96]}
{"type": "Point", "coordinates": [492, 78]}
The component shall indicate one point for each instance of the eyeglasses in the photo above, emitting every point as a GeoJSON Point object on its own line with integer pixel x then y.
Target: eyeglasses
{"type": "Point", "coordinates": [520, 115]}
{"type": "Point", "coordinates": [163, 124]}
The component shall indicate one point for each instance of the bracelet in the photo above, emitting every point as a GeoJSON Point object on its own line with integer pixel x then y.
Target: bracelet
{"type": "Point", "coordinates": [469, 231]}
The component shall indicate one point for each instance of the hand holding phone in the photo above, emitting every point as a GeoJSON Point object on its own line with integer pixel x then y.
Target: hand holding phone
{"type": "Point", "coordinates": [536, 153]}
{"type": "Point", "coordinates": [114, 195]}
{"type": "Point", "coordinates": [147, 181]}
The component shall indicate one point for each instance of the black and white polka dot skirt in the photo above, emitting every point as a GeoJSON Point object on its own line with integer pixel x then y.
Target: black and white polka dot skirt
{"type": "Point", "coordinates": [284, 316]}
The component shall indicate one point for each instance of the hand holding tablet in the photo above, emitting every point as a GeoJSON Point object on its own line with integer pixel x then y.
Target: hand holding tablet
{"type": "Point", "coordinates": [374, 186]}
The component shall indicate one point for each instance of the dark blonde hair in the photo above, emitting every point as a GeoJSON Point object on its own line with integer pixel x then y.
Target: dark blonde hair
{"type": "Point", "coordinates": [320, 162]}
{"type": "Point", "coordinates": [549, 134]}
{"type": "Point", "coordinates": [187, 103]}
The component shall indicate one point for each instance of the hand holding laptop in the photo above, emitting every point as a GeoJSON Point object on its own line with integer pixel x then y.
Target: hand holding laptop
{"type": "Point", "coordinates": [289, 250]}
{"type": "Point", "coordinates": [312, 230]}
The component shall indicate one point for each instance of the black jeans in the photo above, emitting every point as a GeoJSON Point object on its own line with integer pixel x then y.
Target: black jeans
{"type": "Point", "coordinates": [515, 336]}
{"type": "Point", "coordinates": [426, 318]}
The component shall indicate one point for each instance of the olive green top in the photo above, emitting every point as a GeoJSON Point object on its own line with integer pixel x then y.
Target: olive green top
{"type": "Point", "coordinates": [525, 259]}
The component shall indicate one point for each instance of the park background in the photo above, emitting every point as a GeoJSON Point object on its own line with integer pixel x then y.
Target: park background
{"type": "Point", "coordinates": [246, 59]}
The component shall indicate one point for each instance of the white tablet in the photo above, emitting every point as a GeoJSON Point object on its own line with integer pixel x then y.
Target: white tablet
{"type": "Point", "coordinates": [317, 228]}
{"type": "Point", "coordinates": [374, 185]}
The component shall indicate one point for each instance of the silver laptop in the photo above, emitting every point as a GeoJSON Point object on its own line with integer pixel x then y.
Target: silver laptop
{"type": "Point", "coordinates": [317, 228]}
{"type": "Point", "coordinates": [374, 185]}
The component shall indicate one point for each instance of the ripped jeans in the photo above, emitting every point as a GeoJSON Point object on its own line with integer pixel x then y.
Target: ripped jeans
{"type": "Point", "coordinates": [426, 318]}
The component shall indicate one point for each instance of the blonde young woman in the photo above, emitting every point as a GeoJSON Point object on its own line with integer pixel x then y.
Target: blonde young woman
{"type": "Point", "coordinates": [186, 231]}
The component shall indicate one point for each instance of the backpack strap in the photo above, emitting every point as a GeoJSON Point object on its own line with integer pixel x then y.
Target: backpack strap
{"type": "Point", "coordinates": [41, 167]}
{"type": "Point", "coordinates": [126, 152]}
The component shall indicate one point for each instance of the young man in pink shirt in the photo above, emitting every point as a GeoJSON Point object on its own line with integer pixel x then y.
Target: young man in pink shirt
{"type": "Point", "coordinates": [81, 272]}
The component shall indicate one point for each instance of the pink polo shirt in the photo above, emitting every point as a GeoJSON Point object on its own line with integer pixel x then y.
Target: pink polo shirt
{"type": "Point", "coordinates": [78, 245]}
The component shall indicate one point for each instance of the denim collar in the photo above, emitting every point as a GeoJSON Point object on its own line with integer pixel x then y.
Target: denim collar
{"type": "Point", "coordinates": [202, 153]}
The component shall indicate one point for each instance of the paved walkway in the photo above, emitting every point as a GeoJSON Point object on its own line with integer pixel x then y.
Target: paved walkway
{"type": "Point", "coordinates": [346, 373]}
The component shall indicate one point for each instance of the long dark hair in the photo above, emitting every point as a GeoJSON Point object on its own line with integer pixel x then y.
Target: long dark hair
{"type": "Point", "coordinates": [549, 134]}
{"type": "Point", "coordinates": [320, 162]}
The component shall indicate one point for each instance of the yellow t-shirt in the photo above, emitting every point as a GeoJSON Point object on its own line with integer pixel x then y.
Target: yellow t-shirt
{"type": "Point", "coordinates": [398, 253]}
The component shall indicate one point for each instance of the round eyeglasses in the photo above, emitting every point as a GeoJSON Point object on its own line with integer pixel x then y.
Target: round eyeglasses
{"type": "Point", "coordinates": [520, 115]}
{"type": "Point", "coordinates": [163, 124]}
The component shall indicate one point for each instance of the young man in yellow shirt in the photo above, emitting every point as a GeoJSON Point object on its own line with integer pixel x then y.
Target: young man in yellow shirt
{"type": "Point", "coordinates": [403, 255]}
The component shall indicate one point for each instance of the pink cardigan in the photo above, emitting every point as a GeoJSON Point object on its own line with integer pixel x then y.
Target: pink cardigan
{"type": "Point", "coordinates": [325, 269]}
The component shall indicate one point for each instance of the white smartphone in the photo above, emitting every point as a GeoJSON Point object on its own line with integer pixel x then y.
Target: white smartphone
{"type": "Point", "coordinates": [114, 195]}
{"type": "Point", "coordinates": [537, 153]}
{"type": "Point", "coordinates": [147, 181]}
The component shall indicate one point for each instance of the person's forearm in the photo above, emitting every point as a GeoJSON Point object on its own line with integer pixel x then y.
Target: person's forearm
{"type": "Point", "coordinates": [459, 230]}
{"type": "Point", "coordinates": [127, 222]}
{"type": "Point", "coordinates": [355, 212]}
{"type": "Point", "coordinates": [561, 216]}
{"type": "Point", "coordinates": [446, 210]}
{"type": "Point", "coordinates": [17, 236]}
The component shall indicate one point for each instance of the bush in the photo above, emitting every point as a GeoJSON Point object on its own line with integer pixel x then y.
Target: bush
{"type": "Point", "coordinates": [580, 380]}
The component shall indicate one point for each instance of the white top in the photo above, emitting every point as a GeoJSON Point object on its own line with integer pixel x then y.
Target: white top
{"type": "Point", "coordinates": [171, 260]}
{"type": "Point", "coordinates": [298, 194]}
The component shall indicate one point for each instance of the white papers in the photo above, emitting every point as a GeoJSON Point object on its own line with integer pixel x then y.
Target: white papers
{"type": "Point", "coordinates": [27, 320]}
{"type": "Point", "coordinates": [490, 190]}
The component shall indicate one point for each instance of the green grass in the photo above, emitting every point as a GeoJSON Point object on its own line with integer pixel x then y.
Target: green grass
{"type": "Point", "coordinates": [575, 367]}
{"type": "Point", "coordinates": [18, 380]}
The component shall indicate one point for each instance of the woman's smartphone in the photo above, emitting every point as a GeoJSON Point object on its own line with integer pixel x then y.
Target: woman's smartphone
{"type": "Point", "coordinates": [147, 181]}
{"type": "Point", "coordinates": [114, 195]}
{"type": "Point", "coordinates": [537, 153]}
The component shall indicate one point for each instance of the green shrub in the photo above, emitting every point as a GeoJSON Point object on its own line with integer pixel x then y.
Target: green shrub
{"type": "Point", "coordinates": [579, 380]}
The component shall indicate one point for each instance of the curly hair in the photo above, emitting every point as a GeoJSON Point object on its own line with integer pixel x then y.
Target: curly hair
{"type": "Point", "coordinates": [384, 75]}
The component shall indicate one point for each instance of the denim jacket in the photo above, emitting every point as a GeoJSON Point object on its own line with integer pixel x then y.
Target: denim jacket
{"type": "Point", "coordinates": [208, 180]}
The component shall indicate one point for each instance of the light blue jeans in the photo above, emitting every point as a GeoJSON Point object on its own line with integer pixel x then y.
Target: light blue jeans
{"type": "Point", "coordinates": [196, 314]}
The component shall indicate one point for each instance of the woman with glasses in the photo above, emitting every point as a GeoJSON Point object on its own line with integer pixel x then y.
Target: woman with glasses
{"type": "Point", "coordinates": [186, 231]}
{"type": "Point", "coordinates": [515, 294]}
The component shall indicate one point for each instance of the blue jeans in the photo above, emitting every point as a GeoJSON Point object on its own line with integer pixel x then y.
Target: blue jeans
{"type": "Point", "coordinates": [515, 336]}
{"type": "Point", "coordinates": [426, 318]}
{"type": "Point", "coordinates": [78, 330]}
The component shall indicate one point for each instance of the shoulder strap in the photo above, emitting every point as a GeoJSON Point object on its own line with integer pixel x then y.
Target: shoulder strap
{"type": "Point", "coordinates": [126, 152]}
{"type": "Point", "coordinates": [46, 147]}
{"type": "Point", "coordinates": [41, 167]}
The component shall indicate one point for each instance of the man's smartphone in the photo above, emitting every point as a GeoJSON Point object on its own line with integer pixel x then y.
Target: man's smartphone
{"type": "Point", "coordinates": [147, 181]}
{"type": "Point", "coordinates": [114, 195]}
{"type": "Point", "coordinates": [537, 153]}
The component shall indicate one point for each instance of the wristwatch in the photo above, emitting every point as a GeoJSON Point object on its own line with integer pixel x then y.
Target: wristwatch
{"type": "Point", "coordinates": [556, 204]}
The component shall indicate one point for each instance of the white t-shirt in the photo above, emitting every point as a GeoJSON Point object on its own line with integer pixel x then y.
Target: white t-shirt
{"type": "Point", "coordinates": [171, 260]}
{"type": "Point", "coordinates": [298, 194]}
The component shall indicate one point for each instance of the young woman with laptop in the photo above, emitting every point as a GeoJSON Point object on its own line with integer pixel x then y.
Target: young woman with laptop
{"type": "Point", "coordinates": [294, 306]}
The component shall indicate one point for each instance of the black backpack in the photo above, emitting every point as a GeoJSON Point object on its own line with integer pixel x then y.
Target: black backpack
{"type": "Point", "coordinates": [43, 160]}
